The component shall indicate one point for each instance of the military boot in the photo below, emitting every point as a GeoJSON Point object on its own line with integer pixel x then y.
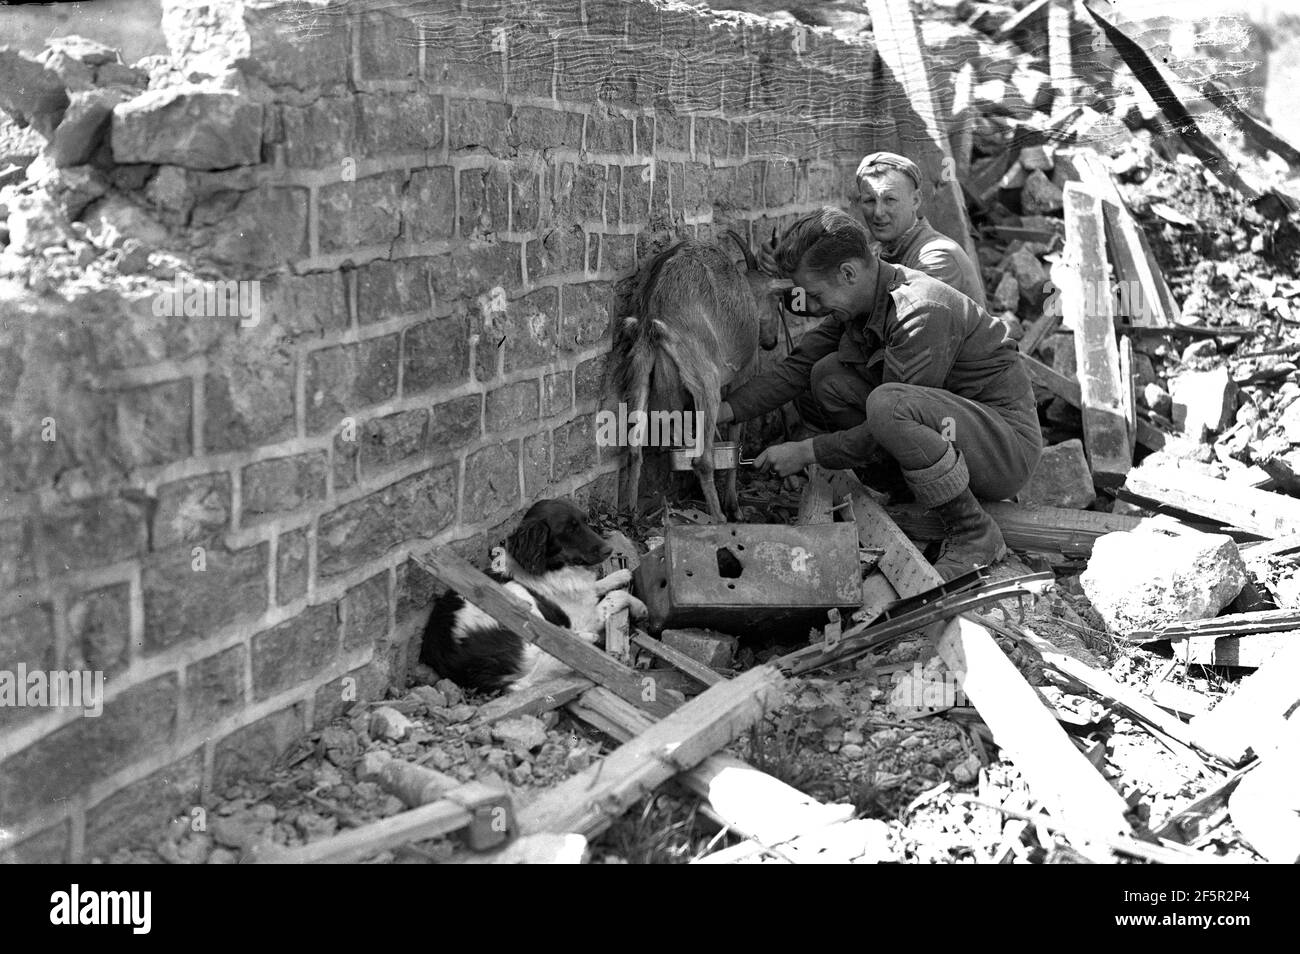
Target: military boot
{"type": "Point", "coordinates": [973, 538]}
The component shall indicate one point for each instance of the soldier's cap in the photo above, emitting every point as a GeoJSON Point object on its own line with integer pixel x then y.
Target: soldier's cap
{"type": "Point", "coordinates": [890, 160]}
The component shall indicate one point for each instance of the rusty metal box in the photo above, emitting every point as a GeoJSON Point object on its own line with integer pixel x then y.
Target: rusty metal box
{"type": "Point", "coordinates": [744, 578]}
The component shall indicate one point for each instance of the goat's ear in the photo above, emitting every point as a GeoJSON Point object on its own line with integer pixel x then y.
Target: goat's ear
{"type": "Point", "coordinates": [528, 545]}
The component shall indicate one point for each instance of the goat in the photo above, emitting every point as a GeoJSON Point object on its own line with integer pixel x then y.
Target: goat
{"type": "Point", "coordinates": [697, 326]}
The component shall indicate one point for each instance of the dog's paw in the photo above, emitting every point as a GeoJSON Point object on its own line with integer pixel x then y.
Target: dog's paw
{"type": "Point", "coordinates": [618, 580]}
{"type": "Point", "coordinates": [638, 609]}
{"type": "Point", "coordinates": [499, 561]}
{"type": "Point", "coordinates": [592, 638]}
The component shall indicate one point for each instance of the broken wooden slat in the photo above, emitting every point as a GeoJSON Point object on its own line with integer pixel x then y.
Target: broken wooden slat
{"type": "Point", "coordinates": [1253, 716]}
{"type": "Point", "coordinates": [1060, 777]}
{"type": "Point", "coordinates": [674, 657]}
{"type": "Point", "coordinates": [1058, 46]}
{"type": "Point", "coordinates": [533, 700]}
{"type": "Point", "coordinates": [898, 43]}
{"type": "Point", "coordinates": [1238, 624]}
{"type": "Point", "coordinates": [1247, 652]}
{"type": "Point", "coordinates": [1275, 547]}
{"type": "Point", "coordinates": [1147, 434]}
{"type": "Point", "coordinates": [1087, 303]}
{"type": "Point", "coordinates": [1259, 133]}
{"type": "Point", "coordinates": [587, 802]}
{"type": "Point", "coordinates": [1042, 529]}
{"type": "Point", "coordinates": [816, 501]}
{"type": "Point", "coordinates": [1257, 511]}
{"type": "Point", "coordinates": [1193, 820]}
{"type": "Point", "coordinates": [1038, 331]}
{"type": "Point", "coordinates": [1127, 387]}
{"type": "Point", "coordinates": [618, 633]}
{"type": "Point", "coordinates": [485, 811]}
{"type": "Point", "coordinates": [495, 600]}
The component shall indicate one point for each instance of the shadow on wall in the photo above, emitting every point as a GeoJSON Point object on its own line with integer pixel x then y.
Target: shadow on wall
{"type": "Point", "coordinates": [132, 26]}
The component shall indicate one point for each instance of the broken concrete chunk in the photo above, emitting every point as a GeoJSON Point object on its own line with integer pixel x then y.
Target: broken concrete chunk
{"type": "Point", "coordinates": [523, 732]}
{"type": "Point", "coordinates": [32, 94]}
{"type": "Point", "coordinates": [1039, 195]}
{"type": "Point", "coordinates": [716, 650]}
{"type": "Point", "coordinates": [388, 723]}
{"type": "Point", "coordinates": [1203, 401]}
{"type": "Point", "coordinates": [1147, 577]}
{"type": "Point", "coordinates": [1157, 399]}
{"type": "Point", "coordinates": [1029, 274]}
{"type": "Point", "coordinates": [188, 126]}
{"type": "Point", "coordinates": [1035, 158]}
{"type": "Point", "coordinates": [1006, 297]}
{"type": "Point", "coordinates": [1062, 478]}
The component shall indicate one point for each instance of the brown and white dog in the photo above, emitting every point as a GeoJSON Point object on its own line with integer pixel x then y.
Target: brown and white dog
{"type": "Point", "coordinates": [548, 563]}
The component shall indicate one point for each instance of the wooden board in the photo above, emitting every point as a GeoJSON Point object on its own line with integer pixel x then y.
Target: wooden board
{"type": "Point", "coordinates": [1087, 303]}
{"type": "Point", "coordinates": [1253, 717]}
{"type": "Point", "coordinates": [898, 42]}
{"type": "Point", "coordinates": [675, 657]}
{"type": "Point", "coordinates": [587, 802]}
{"type": "Point", "coordinates": [1042, 529]}
{"type": "Point", "coordinates": [1257, 511]}
{"type": "Point", "coordinates": [534, 700]}
{"type": "Point", "coordinates": [1058, 775]}
{"type": "Point", "coordinates": [495, 600]}
{"type": "Point", "coordinates": [1146, 433]}
{"type": "Point", "coordinates": [1058, 46]}
{"type": "Point", "coordinates": [1246, 652]}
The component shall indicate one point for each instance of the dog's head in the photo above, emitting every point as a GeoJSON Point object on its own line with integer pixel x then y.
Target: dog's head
{"type": "Point", "coordinates": [555, 534]}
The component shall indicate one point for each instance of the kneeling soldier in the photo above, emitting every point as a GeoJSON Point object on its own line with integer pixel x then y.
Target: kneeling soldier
{"type": "Point", "coordinates": [907, 373]}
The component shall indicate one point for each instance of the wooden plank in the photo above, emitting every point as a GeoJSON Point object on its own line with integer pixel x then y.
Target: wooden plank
{"type": "Point", "coordinates": [898, 42]}
{"type": "Point", "coordinates": [588, 801]}
{"type": "Point", "coordinates": [1257, 511]}
{"type": "Point", "coordinates": [1194, 819]}
{"type": "Point", "coordinates": [1238, 624]}
{"type": "Point", "coordinates": [1058, 775]}
{"type": "Point", "coordinates": [678, 659]}
{"type": "Point", "coordinates": [1146, 293]}
{"type": "Point", "coordinates": [1038, 331]}
{"type": "Point", "coordinates": [755, 805]}
{"type": "Point", "coordinates": [1058, 46]}
{"type": "Point", "coordinates": [495, 600]}
{"type": "Point", "coordinates": [961, 130]}
{"type": "Point", "coordinates": [1259, 133]}
{"type": "Point", "coordinates": [1042, 529]}
{"type": "Point", "coordinates": [534, 700]}
{"type": "Point", "coordinates": [1087, 305]}
{"type": "Point", "coordinates": [1266, 548]}
{"type": "Point", "coordinates": [1147, 434]}
{"type": "Point", "coordinates": [1127, 395]}
{"type": "Point", "coordinates": [618, 635]}
{"type": "Point", "coordinates": [1252, 717]}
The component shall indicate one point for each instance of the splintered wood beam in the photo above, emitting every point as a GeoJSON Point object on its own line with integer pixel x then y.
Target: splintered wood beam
{"type": "Point", "coordinates": [1144, 298]}
{"type": "Point", "coordinates": [678, 659]}
{"type": "Point", "coordinates": [1146, 433]}
{"type": "Point", "coordinates": [1260, 133]}
{"type": "Point", "coordinates": [898, 41]}
{"type": "Point", "coordinates": [590, 800]}
{"type": "Point", "coordinates": [1246, 652]}
{"type": "Point", "coordinates": [1255, 511]}
{"type": "Point", "coordinates": [1058, 45]}
{"type": "Point", "coordinates": [511, 612]}
{"type": "Point", "coordinates": [534, 700]}
{"type": "Point", "coordinates": [1086, 300]}
{"type": "Point", "coordinates": [1059, 776]}
{"type": "Point", "coordinates": [1043, 529]}
{"type": "Point", "coordinates": [1238, 624]}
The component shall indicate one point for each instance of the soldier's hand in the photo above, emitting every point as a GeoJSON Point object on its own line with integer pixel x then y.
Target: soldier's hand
{"type": "Point", "coordinates": [786, 459]}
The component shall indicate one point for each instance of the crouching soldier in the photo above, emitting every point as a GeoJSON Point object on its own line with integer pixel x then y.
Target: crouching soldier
{"type": "Point", "coordinates": [908, 374]}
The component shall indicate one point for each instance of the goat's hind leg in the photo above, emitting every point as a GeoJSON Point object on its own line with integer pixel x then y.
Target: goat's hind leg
{"type": "Point", "coordinates": [730, 498]}
{"type": "Point", "coordinates": [703, 465]}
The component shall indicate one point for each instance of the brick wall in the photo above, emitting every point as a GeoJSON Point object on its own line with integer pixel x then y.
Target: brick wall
{"type": "Point", "coordinates": [440, 201]}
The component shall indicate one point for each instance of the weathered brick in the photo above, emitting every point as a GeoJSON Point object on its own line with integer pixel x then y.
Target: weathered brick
{"type": "Point", "coordinates": [301, 305]}
{"type": "Point", "coordinates": [189, 510]}
{"type": "Point", "coordinates": [588, 379]}
{"type": "Point", "coordinates": [183, 602]}
{"type": "Point", "coordinates": [134, 724]}
{"type": "Point", "coordinates": [414, 508]}
{"type": "Point", "coordinates": [530, 329]}
{"type": "Point", "coordinates": [248, 404]}
{"type": "Point", "coordinates": [411, 122]}
{"type": "Point", "coordinates": [366, 613]}
{"type": "Point", "coordinates": [251, 749]}
{"type": "Point", "coordinates": [491, 481]}
{"type": "Point", "coordinates": [696, 196]}
{"type": "Point", "coordinates": [27, 636]}
{"type": "Point", "coordinates": [297, 51]}
{"type": "Point", "coordinates": [435, 354]}
{"type": "Point", "coordinates": [322, 133]}
{"type": "Point", "coordinates": [618, 253]}
{"type": "Point", "coordinates": [214, 688]}
{"type": "Point", "coordinates": [416, 590]}
{"type": "Point", "coordinates": [153, 424]}
{"type": "Point", "coordinates": [609, 134]}
{"type": "Point", "coordinates": [533, 129]}
{"type": "Point", "coordinates": [635, 207]}
{"type": "Point", "coordinates": [525, 199]}
{"type": "Point", "coordinates": [92, 533]}
{"type": "Point", "coordinates": [459, 52]}
{"type": "Point", "coordinates": [713, 137]}
{"type": "Point", "coordinates": [593, 252]}
{"type": "Point", "coordinates": [347, 455]}
{"type": "Point", "coordinates": [429, 204]}
{"type": "Point", "coordinates": [472, 267]}
{"type": "Point", "coordinates": [532, 63]}
{"type": "Point", "coordinates": [140, 813]}
{"type": "Point", "coordinates": [575, 446]}
{"type": "Point", "coordinates": [360, 685]}
{"type": "Point", "coordinates": [392, 439]}
{"type": "Point", "coordinates": [388, 47]}
{"type": "Point", "coordinates": [483, 201]}
{"type": "Point", "coordinates": [454, 423]}
{"type": "Point", "coordinates": [282, 484]}
{"type": "Point", "coordinates": [291, 653]}
{"type": "Point", "coordinates": [584, 197]}
{"type": "Point", "coordinates": [583, 66]}
{"type": "Point", "coordinates": [223, 128]}
{"type": "Point", "coordinates": [291, 566]}
{"type": "Point", "coordinates": [477, 124]}
{"type": "Point", "coordinates": [511, 405]}
{"type": "Point", "coordinates": [365, 212]}
{"type": "Point", "coordinates": [673, 132]}
{"type": "Point", "coordinates": [392, 289]}
{"type": "Point", "coordinates": [586, 315]}
{"type": "Point", "coordinates": [778, 185]}
{"type": "Point", "coordinates": [266, 228]}
{"type": "Point", "coordinates": [557, 393]}
{"type": "Point", "coordinates": [537, 464]}
{"type": "Point", "coordinates": [343, 380]}
{"type": "Point", "coordinates": [560, 250]}
{"type": "Point", "coordinates": [99, 628]}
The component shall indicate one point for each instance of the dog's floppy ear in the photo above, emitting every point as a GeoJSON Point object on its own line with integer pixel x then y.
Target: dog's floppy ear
{"type": "Point", "coordinates": [529, 544]}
